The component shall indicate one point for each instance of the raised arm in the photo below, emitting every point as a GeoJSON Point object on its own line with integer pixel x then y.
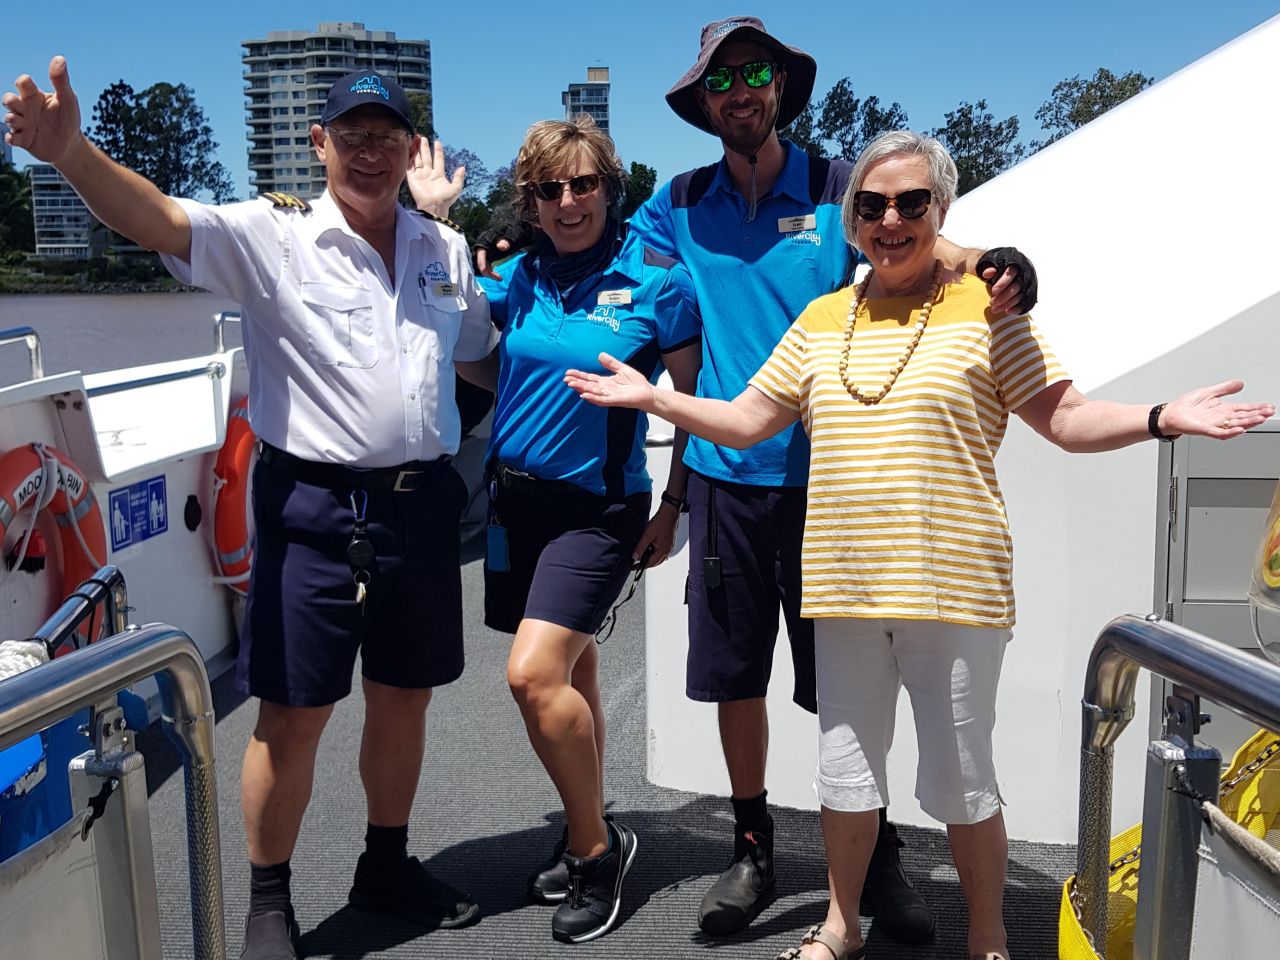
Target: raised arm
{"type": "Point", "coordinates": [746, 420]}
{"type": "Point", "coordinates": [1063, 415]}
{"type": "Point", "coordinates": [430, 188]}
{"type": "Point", "coordinates": [47, 125]}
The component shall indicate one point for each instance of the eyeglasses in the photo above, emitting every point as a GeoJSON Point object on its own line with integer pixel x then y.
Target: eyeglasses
{"type": "Point", "coordinates": [355, 137]}
{"type": "Point", "coordinates": [756, 74]}
{"type": "Point", "coordinates": [552, 190]}
{"type": "Point", "coordinates": [910, 204]}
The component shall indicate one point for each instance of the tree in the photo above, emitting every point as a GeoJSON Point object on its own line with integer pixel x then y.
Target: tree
{"type": "Point", "coordinates": [163, 135]}
{"type": "Point", "coordinates": [980, 146]}
{"type": "Point", "coordinates": [801, 132]}
{"type": "Point", "coordinates": [420, 114]}
{"type": "Point", "coordinates": [640, 183]}
{"type": "Point", "coordinates": [17, 225]}
{"type": "Point", "coordinates": [479, 180]}
{"type": "Point", "coordinates": [1075, 102]}
{"type": "Point", "coordinates": [851, 123]}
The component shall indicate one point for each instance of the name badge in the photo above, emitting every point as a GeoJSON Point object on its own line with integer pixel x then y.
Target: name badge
{"type": "Point", "coordinates": [796, 224]}
{"type": "Point", "coordinates": [613, 298]}
{"type": "Point", "coordinates": [446, 289]}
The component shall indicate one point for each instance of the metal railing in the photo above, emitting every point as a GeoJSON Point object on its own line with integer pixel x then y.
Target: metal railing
{"type": "Point", "coordinates": [1233, 678]}
{"type": "Point", "coordinates": [213, 370]}
{"type": "Point", "coordinates": [219, 321]}
{"type": "Point", "coordinates": [32, 340]}
{"type": "Point", "coordinates": [91, 677]}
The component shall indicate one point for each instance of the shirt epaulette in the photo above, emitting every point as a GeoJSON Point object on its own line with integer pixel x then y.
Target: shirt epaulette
{"type": "Point", "coordinates": [287, 201]}
{"type": "Point", "coordinates": [445, 221]}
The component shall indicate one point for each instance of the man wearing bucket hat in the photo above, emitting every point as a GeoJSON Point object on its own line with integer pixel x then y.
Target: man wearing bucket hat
{"type": "Point", "coordinates": [760, 233]}
{"type": "Point", "coordinates": [352, 307]}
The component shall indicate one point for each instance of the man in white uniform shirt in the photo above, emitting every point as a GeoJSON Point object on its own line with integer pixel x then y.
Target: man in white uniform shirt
{"type": "Point", "coordinates": [355, 311]}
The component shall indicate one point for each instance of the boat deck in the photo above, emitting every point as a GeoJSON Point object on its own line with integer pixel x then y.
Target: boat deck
{"type": "Point", "coordinates": [486, 811]}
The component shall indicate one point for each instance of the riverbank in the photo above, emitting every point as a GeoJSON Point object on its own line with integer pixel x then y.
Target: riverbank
{"type": "Point", "coordinates": [24, 282]}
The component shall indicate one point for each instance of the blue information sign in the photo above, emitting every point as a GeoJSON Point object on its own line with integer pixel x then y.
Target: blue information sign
{"type": "Point", "coordinates": [138, 512]}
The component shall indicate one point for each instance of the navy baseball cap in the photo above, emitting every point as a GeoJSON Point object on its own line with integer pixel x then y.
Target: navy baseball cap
{"type": "Point", "coordinates": [365, 86]}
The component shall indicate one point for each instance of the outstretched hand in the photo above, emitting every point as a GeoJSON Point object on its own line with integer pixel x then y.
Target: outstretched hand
{"type": "Point", "coordinates": [626, 387]}
{"type": "Point", "coordinates": [430, 188]}
{"type": "Point", "coordinates": [46, 125]}
{"type": "Point", "coordinates": [1203, 413]}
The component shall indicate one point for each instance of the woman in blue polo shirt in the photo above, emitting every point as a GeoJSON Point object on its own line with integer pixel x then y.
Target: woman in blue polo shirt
{"type": "Point", "coordinates": [570, 497]}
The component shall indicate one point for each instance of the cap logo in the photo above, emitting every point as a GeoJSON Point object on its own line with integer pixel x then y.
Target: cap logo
{"type": "Point", "coordinates": [371, 84]}
{"type": "Point", "coordinates": [729, 27]}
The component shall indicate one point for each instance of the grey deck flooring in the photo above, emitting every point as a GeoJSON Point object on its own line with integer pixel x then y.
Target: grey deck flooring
{"type": "Point", "coordinates": [486, 811]}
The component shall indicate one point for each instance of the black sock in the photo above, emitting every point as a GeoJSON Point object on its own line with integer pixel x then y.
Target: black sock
{"type": "Point", "coordinates": [269, 889]}
{"type": "Point", "coordinates": [386, 846]}
{"type": "Point", "coordinates": [752, 814]}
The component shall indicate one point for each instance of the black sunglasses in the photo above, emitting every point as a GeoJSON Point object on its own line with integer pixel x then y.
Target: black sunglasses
{"type": "Point", "coordinates": [910, 204]}
{"type": "Point", "coordinates": [552, 190]}
{"type": "Point", "coordinates": [756, 74]}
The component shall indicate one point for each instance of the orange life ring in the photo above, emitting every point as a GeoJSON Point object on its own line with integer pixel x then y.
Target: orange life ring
{"type": "Point", "coordinates": [232, 549]}
{"type": "Point", "coordinates": [73, 507]}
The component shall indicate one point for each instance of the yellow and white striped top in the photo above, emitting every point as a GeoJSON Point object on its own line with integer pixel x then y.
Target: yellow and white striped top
{"type": "Point", "coordinates": [905, 516]}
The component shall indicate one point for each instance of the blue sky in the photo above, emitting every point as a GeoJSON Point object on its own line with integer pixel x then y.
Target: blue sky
{"type": "Point", "coordinates": [499, 70]}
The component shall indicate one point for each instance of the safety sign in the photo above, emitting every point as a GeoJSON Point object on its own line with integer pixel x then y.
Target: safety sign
{"type": "Point", "coordinates": [138, 512]}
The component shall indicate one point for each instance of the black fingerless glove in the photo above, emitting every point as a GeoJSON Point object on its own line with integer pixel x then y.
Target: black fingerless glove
{"type": "Point", "coordinates": [517, 233]}
{"type": "Point", "coordinates": [1004, 257]}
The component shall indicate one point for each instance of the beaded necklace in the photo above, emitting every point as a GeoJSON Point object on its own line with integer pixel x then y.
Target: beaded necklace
{"type": "Point", "coordinates": [859, 296]}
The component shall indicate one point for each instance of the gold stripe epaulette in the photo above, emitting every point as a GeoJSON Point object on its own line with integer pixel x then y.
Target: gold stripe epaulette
{"type": "Point", "coordinates": [287, 201]}
{"type": "Point", "coordinates": [445, 221]}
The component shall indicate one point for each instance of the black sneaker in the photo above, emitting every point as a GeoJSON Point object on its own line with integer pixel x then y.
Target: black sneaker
{"type": "Point", "coordinates": [270, 936]}
{"type": "Point", "coordinates": [889, 896]}
{"type": "Point", "coordinates": [410, 890]}
{"type": "Point", "coordinates": [595, 889]}
{"type": "Point", "coordinates": [549, 883]}
{"type": "Point", "coordinates": [743, 890]}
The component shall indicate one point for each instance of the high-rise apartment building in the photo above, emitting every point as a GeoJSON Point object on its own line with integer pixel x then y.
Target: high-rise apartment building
{"type": "Point", "coordinates": [286, 78]}
{"type": "Point", "coordinates": [64, 225]}
{"type": "Point", "coordinates": [6, 151]}
{"type": "Point", "coordinates": [591, 98]}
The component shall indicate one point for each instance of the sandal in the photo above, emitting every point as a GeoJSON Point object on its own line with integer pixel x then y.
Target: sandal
{"type": "Point", "coordinates": [816, 934]}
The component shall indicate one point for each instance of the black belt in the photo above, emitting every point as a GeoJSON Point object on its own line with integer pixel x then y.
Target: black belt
{"type": "Point", "coordinates": [517, 481]}
{"type": "Point", "coordinates": [402, 479]}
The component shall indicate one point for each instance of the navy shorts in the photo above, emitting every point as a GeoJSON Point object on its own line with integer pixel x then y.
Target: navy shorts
{"type": "Point", "coordinates": [758, 533]}
{"type": "Point", "coordinates": [303, 628]}
{"type": "Point", "coordinates": [569, 554]}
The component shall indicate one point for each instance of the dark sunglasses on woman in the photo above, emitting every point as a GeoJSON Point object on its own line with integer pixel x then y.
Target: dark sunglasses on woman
{"type": "Point", "coordinates": [552, 190]}
{"type": "Point", "coordinates": [756, 74]}
{"type": "Point", "coordinates": [910, 204]}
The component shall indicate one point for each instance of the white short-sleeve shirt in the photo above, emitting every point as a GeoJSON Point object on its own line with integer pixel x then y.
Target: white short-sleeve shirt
{"type": "Point", "coordinates": [344, 366]}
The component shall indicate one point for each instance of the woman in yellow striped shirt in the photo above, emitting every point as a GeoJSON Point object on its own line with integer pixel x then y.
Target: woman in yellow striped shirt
{"type": "Point", "coordinates": [904, 384]}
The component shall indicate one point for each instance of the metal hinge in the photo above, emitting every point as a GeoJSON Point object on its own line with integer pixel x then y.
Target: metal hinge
{"type": "Point", "coordinates": [1173, 509]}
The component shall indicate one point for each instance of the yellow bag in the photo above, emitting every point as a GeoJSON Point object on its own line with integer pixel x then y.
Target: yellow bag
{"type": "Point", "coordinates": [1251, 797]}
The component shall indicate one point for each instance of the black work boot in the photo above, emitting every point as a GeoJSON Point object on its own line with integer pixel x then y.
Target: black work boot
{"type": "Point", "coordinates": [743, 890]}
{"type": "Point", "coordinates": [889, 895]}
{"type": "Point", "coordinates": [549, 882]}
{"type": "Point", "coordinates": [270, 936]}
{"type": "Point", "coordinates": [408, 889]}
{"type": "Point", "coordinates": [595, 889]}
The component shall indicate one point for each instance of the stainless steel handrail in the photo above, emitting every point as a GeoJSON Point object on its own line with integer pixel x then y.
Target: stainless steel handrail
{"type": "Point", "coordinates": [219, 319]}
{"type": "Point", "coordinates": [213, 370]}
{"type": "Point", "coordinates": [39, 698]}
{"type": "Point", "coordinates": [32, 340]}
{"type": "Point", "coordinates": [1236, 680]}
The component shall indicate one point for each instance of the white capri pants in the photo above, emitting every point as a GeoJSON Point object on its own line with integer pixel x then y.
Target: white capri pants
{"type": "Point", "coordinates": [951, 673]}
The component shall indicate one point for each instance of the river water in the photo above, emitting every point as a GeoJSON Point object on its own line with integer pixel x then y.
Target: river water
{"type": "Point", "coordinates": [96, 332]}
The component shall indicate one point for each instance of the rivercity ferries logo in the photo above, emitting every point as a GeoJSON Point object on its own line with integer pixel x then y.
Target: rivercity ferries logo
{"type": "Point", "coordinates": [371, 84]}
{"type": "Point", "coordinates": [607, 316]}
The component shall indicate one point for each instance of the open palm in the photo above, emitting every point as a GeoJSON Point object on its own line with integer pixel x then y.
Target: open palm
{"type": "Point", "coordinates": [46, 125]}
{"type": "Point", "coordinates": [624, 387]}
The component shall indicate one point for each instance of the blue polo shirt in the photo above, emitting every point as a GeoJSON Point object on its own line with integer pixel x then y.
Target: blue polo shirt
{"type": "Point", "coordinates": [752, 280]}
{"type": "Point", "coordinates": [640, 307]}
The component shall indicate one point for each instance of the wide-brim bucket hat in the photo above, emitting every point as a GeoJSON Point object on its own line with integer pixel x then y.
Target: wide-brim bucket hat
{"type": "Point", "coordinates": [801, 70]}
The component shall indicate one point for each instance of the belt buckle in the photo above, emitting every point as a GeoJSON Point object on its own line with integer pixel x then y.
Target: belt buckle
{"type": "Point", "coordinates": [407, 481]}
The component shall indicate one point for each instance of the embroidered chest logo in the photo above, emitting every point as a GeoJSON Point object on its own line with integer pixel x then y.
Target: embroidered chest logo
{"type": "Point", "coordinates": [809, 237]}
{"type": "Point", "coordinates": [436, 279]}
{"type": "Point", "coordinates": [607, 316]}
{"type": "Point", "coordinates": [436, 272]}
